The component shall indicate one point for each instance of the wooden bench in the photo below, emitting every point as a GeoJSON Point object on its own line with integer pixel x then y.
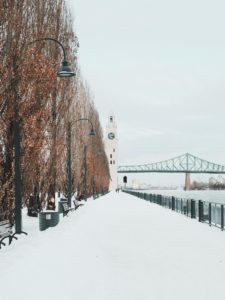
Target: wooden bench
{"type": "Point", "coordinates": [5, 232]}
{"type": "Point", "coordinates": [66, 209]}
{"type": "Point", "coordinates": [77, 205]}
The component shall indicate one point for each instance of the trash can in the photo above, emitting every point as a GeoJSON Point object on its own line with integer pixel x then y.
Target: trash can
{"type": "Point", "coordinates": [60, 210]}
{"type": "Point", "coordinates": [48, 219]}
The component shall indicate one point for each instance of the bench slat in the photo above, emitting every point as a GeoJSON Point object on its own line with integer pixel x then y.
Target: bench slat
{"type": "Point", "coordinates": [66, 208]}
{"type": "Point", "coordinates": [5, 228]}
{"type": "Point", "coordinates": [5, 222]}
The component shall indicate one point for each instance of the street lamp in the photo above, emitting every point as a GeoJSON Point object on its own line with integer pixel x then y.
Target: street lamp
{"type": "Point", "coordinates": [107, 168]}
{"type": "Point", "coordinates": [91, 133]}
{"type": "Point", "coordinates": [64, 71]}
{"type": "Point", "coordinates": [92, 177]}
{"type": "Point", "coordinates": [85, 168]}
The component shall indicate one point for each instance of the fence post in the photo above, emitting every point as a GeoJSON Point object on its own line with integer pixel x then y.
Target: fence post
{"type": "Point", "coordinates": [222, 217]}
{"type": "Point", "coordinates": [187, 208]}
{"type": "Point", "coordinates": [173, 203]}
{"type": "Point", "coordinates": [200, 211]}
{"type": "Point", "coordinates": [192, 209]}
{"type": "Point", "coordinates": [210, 214]}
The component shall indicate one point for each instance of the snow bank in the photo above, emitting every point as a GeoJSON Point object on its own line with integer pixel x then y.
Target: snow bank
{"type": "Point", "coordinates": [117, 247]}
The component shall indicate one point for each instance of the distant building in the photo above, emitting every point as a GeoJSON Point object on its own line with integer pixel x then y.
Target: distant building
{"type": "Point", "coordinates": [135, 184]}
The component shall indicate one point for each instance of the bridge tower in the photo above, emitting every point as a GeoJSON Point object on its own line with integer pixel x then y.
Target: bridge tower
{"type": "Point", "coordinates": [187, 186]}
{"type": "Point", "coordinates": [111, 147]}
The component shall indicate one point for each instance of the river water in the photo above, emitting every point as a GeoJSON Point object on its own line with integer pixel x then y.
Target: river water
{"type": "Point", "coordinates": [208, 195]}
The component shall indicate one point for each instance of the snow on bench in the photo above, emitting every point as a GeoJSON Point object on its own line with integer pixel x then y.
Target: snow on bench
{"type": "Point", "coordinates": [66, 209]}
{"type": "Point", "coordinates": [5, 231]}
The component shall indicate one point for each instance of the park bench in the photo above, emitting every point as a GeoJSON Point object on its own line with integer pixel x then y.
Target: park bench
{"type": "Point", "coordinates": [66, 209]}
{"type": "Point", "coordinates": [77, 205]}
{"type": "Point", "coordinates": [5, 232]}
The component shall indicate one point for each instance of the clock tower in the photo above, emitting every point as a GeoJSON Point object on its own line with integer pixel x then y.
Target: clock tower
{"type": "Point", "coordinates": [111, 147]}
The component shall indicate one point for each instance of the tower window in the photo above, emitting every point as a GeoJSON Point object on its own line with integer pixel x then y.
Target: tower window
{"type": "Point", "coordinates": [114, 150]}
{"type": "Point", "coordinates": [110, 155]}
{"type": "Point", "coordinates": [114, 162]}
{"type": "Point", "coordinates": [110, 162]}
{"type": "Point", "coordinates": [111, 119]}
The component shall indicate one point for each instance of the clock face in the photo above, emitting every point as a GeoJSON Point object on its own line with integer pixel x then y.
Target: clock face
{"type": "Point", "coordinates": [111, 135]}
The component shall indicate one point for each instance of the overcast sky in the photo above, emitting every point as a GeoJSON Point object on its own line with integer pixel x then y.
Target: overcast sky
{"type": "Point", "coordinates": [160, 66]}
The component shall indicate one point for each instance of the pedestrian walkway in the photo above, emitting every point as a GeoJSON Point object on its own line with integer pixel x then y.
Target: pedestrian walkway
{"type": "Point", "coordinates": [117, 247]}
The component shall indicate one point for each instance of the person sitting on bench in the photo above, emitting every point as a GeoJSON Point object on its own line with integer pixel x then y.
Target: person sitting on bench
{"type": "Point", "coordinates": [51, 204]}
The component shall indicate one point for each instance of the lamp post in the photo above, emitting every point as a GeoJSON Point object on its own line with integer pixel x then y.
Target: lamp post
{"type": "Point", "coordinates": [91, 133]}
{"type": "Point", "coordinates": [107, 169]}
{"type": "Point", "coordinates": [92, 177]}
{"type": "Point", "coordinates": [64, 71]}
{"type": "Point", "coordinates": [85, 168]}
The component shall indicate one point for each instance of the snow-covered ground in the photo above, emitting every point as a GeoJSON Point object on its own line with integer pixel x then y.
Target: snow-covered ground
{"type": "Point", "coordinates": [117, 247]}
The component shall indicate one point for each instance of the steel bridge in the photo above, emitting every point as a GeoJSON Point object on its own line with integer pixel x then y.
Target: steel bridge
{"type": "Point", "coordinates": [186, 163]}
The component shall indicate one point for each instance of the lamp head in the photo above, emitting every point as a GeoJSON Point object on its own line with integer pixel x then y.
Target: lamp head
{"type": "Point", "coordinates": [65, 70]}
{"type": "Point", "coordinates": [92, 133]}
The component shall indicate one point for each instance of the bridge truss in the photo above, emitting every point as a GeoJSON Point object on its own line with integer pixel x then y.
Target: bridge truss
{"type": "Point", "coordinates": [186, 163]}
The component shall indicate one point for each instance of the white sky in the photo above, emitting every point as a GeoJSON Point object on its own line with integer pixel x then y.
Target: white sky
{"type": "Point", "coordinates": [160, 66]}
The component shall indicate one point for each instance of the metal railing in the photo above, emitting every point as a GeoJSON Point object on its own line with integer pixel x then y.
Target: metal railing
{"type": "Point", "coordinates": [206, 212]}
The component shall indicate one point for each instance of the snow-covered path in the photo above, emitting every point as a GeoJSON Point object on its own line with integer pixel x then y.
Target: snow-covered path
{"type": "Point", "coordinates": [117, 247]}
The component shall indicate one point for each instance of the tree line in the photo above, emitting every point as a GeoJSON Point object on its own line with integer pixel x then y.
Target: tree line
{"type": "Point", "coordinates": [48, 107]}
